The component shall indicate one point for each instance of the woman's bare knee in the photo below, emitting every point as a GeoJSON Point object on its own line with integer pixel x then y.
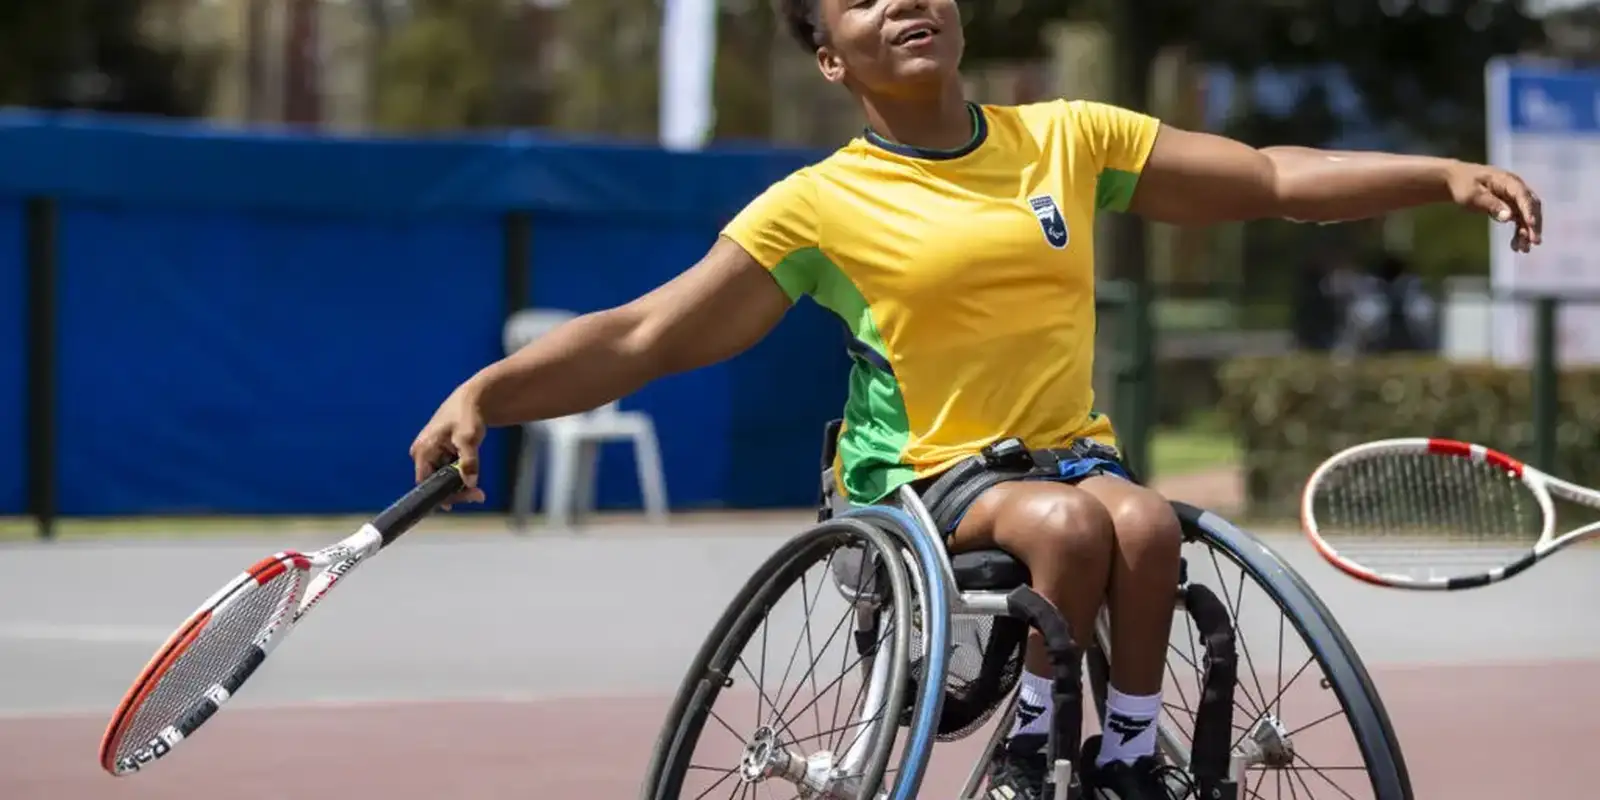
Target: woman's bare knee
{"type": "Point", "coordinates": [1067, 540]}
{"type": "Point", "coordinates": [1145, 522]}
{"type": "Point", "coordinates": [1145, 574]}
{"type": "Point", "coordinates": [1055, 528]}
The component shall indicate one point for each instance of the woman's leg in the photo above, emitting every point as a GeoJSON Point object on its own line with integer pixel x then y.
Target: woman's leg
{"type": "Point", "coordinates": [1143, 597]}
{"type": "Point", "coordinates": [1066, 538]}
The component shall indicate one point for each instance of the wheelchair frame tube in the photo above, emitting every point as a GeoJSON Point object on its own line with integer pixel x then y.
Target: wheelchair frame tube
{"type": "Point", "coordinates": [913, 505]}
{"type": "Point", "coordinates": [1004, 720]}
{"type": "Point", "coordinates": [877, 682]}
{"type": "Point", "coordinates": [981, 604]}
{"type": "Point", "coordinates": [912, 525]}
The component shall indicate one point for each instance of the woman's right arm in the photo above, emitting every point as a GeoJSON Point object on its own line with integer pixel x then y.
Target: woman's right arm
{"type": "Point", "coordinates": [715, 310]}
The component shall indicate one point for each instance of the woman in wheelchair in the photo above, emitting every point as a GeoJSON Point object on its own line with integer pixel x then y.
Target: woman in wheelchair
{"type": "Point", "coordinates": [1091, 537]}
{"type": "Point", "coordinates": [955, 242]}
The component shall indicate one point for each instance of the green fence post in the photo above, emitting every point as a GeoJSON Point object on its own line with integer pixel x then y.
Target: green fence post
{"type": "Point", "coordinates": [1133, 434]}
{"type": "Point", "coordinates": [1112, 359]}
{"type": "Point", "coordinates": [1545, 377]}
{"type": "Point", "coordinates": [1110, 348]}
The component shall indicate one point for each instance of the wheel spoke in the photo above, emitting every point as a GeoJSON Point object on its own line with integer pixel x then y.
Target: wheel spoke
{"type": "Point", "coordinates": [804, 582]}
{"type": "Point", "coordinates": [1316, 722]}
{"type": "Point", "coordinates": [811, 669]}
{"type": "Point", "coordinates": [761, 692]}
{"type": "Point", "coordinates": [725, 776]}
{"type": "Point", "coordinates": [1238, 637]}
{"type": "Point", "coordinates": [1252, 702]}
{"type": "Point", "coordinates": [830, 685]}
{"type": "Point", "coordinates": [781, 715]}
{"type": "Point", "coordinates": [724, 723]}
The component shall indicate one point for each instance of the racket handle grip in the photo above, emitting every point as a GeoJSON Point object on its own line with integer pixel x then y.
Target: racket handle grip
{"type": "Point", "coordinates": [421, 501]}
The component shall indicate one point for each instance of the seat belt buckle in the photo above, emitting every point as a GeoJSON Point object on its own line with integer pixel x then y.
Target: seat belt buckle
{"type": "Point", "coordinates": [1009, 453]}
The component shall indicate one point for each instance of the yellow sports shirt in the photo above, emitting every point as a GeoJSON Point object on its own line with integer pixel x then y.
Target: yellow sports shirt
{"type": "Point", "coordinates": [966, 278]}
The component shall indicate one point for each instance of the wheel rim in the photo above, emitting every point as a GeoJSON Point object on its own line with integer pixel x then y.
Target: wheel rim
{"type": "Point", "coordinates": [788, 705]}
{"type": "Point", "coordinates": [1300, 740]}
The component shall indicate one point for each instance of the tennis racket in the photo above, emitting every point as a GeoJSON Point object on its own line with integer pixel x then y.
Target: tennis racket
{"type": "Point", "coordinates": [211, 655]}
{"type": "Point", "coordinates": [1437, 514]}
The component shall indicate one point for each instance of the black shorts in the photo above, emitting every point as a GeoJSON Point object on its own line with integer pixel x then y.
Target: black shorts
{"type": "Point", "coordinates": [1083, 458]}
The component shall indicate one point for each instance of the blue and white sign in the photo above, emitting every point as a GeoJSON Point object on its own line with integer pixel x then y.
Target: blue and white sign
{"type": "Point", "coordinates": [1544, 124]}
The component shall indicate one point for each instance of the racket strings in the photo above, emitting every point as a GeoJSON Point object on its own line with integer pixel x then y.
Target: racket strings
{"type": "Point", "coordinates": [1425, 515]}
{"type": "Point", "coordinates": [221, 644]}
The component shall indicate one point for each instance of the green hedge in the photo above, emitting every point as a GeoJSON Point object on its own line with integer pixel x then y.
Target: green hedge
{"type": "Point", "coordinates": [1292, 412]}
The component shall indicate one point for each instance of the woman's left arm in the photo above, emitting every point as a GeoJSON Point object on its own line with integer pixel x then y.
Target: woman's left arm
{"type": "Point", "coordinates": [1200, 179]}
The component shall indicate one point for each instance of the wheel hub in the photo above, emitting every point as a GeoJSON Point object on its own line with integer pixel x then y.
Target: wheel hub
{"type": "Point", "coordinates": [1269, 743]}
{"type": "Point", "coordinates": [765, 758]}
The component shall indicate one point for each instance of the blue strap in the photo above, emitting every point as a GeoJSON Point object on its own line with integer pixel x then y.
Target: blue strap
{"type": "Point", "coordinates": [1067, 470]}
{"type": "Point", "coordinates": [1079, 467]}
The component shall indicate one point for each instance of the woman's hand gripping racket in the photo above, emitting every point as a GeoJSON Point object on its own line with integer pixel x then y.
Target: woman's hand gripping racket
{"type": "Point", "coordinates": [1437, 514]}
{"type": "Point", "coordinates": [225, 641]}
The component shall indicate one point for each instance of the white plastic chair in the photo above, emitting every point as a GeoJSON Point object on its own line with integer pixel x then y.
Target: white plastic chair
{"type": "Point", "coordinates": [573, 444]}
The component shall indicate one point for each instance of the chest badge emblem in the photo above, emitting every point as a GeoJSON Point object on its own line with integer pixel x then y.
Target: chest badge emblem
{"type": "Point", "coordinates": [1050, 219]}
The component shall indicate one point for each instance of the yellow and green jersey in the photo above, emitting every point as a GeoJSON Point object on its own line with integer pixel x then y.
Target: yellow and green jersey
{"type": "Point", "coordinates": [966, 278]}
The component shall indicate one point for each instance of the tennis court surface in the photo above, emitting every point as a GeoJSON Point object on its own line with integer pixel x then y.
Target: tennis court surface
{"type": "Point", "coordinates": [476, 665]}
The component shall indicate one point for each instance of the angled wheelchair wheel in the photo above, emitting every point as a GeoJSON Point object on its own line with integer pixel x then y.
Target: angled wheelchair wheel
{"type": "Point", "coordinates": [802, 682]}
{"type": "Point", "coordinates": [1306, 720]}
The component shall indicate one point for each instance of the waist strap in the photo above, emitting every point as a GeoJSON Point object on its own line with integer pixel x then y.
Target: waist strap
{"type": "Point", "coordinates": [950, 494]}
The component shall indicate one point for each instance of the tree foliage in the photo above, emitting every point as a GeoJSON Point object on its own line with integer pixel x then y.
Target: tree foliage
{"type": "Point", "coordinates": [609, 66]}
{"type": "Point", "coordinates": [436, 71]}
{"type": "Point", "coordinates": [1010, 30]}
{"type": "Point", "coordinates": [91, 54]}
{"type": "Point", "coordinates": [1416, 65]}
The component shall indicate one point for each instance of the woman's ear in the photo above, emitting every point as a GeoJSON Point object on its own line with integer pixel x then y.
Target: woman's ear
{"type": "Point", "coordinates": [829, 63]}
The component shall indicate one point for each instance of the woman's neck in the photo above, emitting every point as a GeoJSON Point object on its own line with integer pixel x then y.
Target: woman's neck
{"type": "Point", "coordinates": [940, 122]}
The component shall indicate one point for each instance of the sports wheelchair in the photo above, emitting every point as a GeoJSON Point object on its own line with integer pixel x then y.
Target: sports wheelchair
{"type": "Point", "coordinates": [931, 646]}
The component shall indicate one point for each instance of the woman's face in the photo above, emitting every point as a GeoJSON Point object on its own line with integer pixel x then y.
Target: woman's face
{"type": "Point", "coordinates": [891, 46]}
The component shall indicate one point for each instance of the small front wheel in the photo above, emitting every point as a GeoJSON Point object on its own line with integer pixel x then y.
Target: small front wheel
{"type": "Point", "coordinates": [801, 687]}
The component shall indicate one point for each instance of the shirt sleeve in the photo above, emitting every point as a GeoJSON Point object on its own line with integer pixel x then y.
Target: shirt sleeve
{"type": "Point", "coordinates": [1119, 143]}
{"type": "Point", "coordinates": [779, 229]}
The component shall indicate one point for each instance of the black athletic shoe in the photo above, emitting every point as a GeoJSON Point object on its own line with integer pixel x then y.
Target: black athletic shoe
{"type": "Point", "coordinates": [1144, 779]}
{"type": "Point", "coordinates": [1018, 768]}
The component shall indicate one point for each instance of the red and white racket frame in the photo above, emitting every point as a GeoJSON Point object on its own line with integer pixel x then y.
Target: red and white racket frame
{"type": "Point", "coordinates": [335, 562]}
{"type": "Point", "coordinates": [1542, 485]}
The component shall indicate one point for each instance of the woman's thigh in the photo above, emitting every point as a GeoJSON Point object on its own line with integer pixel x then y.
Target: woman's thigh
{"type": "Point", "coordinates": [1029, 518]}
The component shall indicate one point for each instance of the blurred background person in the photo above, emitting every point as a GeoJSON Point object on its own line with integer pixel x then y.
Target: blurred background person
{"type": "Point", "coordinates": [1389, 310]}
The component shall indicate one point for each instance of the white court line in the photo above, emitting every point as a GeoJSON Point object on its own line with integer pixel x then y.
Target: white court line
{"type": "Point", "coordinates": [665, 695]}
{"type": "Point", "coordinates": [336, 703]}
{"type": "Point", "coordinates": [84, 634]}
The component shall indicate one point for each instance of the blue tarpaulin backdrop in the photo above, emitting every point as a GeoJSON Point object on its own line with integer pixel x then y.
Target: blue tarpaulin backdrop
{"type": "Point", "coordinates": [259, 323]}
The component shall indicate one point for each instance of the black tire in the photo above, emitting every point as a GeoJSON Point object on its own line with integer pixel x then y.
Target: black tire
{"type": "Point", "coordinates": [713, 664]}
{"type": "Point", "coordinates": [1347, 676]}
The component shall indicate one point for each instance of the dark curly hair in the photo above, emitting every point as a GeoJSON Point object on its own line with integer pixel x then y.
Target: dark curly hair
{"type": "Point", "coordinates": [804, 21]}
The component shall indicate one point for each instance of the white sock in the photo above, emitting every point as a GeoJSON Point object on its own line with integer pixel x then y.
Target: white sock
{"type": "Point", "coordinates": [1129, 730]}
{"type": "Point", "coordinates": [1035, 706]}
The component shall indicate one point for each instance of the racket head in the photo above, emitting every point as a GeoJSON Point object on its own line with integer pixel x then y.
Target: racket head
{"type": "Point", "coordinates": [1421, 513]}
{"type": "Point", "coordinates": [204, 662]}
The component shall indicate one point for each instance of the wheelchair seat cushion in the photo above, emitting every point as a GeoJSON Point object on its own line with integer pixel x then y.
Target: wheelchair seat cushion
{"type": "Point", "coordinates": [988, 570]}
